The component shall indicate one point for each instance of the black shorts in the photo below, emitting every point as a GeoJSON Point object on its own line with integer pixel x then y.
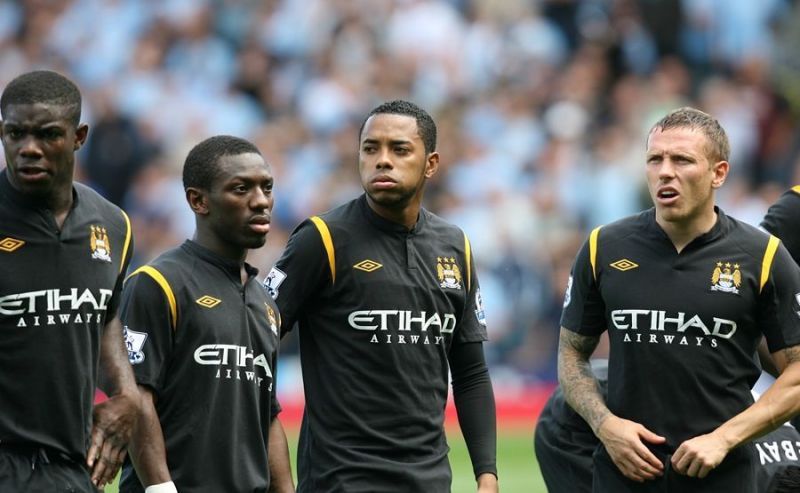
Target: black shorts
{"type": "Point", "coordinates": [35, 469]}
{"type": "Point", "coordinates": [737, 473]}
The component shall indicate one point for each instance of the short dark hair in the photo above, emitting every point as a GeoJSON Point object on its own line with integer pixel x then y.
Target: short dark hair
{"type": "Point", "coordinates": [688, 117]}
{"type": "Point", "coordinates": [425, 124]}
{"type": "Point", "coordinates": [202, 164]}
{"type": "Point", "coordinates": [44, 87]}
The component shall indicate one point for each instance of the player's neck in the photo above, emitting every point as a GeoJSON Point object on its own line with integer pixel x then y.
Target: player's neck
{"type": "Point", "coordinates": [681, 233]}
{"type": "Point", "coordinates": [407, 216]}
{"type": "Point", "coordinates": [210, 241]}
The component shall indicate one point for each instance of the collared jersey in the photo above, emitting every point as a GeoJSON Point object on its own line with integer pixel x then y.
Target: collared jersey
{"type": "Point", "coordinates": [207, 345]}
{"type": "Point", "coordinates": [783, 221]}
{"type": "Point", "coordinates": [378, 308]}
{"type": "Point", "coordinates": [58, 289]}
{"type": "Point", "coordinates": [683, 327]}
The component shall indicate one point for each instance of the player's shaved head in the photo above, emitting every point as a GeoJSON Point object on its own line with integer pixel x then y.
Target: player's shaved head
{"type": "Point", "coordinates": [43, 87]}
{"type": "Point", "coordinates": [202, 164]}
{"type": "Point", "coordinates": [425, 124]}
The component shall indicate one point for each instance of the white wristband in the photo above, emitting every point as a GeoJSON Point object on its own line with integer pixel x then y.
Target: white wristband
{"type": "Point", "coordinates": [168, 487]}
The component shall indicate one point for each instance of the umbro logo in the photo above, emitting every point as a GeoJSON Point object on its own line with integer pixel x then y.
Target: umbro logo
{"type": "Point", "coordinates": [208, 301]}
{"type": "Point", "coordinates": [624, 264]}
{"type": "Point", "coordinates": [9, 244]}
{"type": "Point", "coordinates": [368, 265]}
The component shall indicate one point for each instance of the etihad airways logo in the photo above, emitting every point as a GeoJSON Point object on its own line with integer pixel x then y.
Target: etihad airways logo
{"type": "Point", "coordinates": [53, 300]}
{"type": "Point", "coordinates": [664, 327]}
{"type": "Point", "coordinates": [47, 306]}
{"type": "Point", "coordinates": [403, 326]}
{"type": "Point", "coordinates": [234, 363]}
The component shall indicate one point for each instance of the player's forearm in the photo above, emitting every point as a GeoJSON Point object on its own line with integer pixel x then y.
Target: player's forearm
{"type": "Point", "coordinates": [474, 400]}
{"type": "Point", "coordinates": [580, 387]}
{"type": "Point", "coordinates": [280, 467]}
{"type": "Point", "coordinates": [777, 405]}
{"type": "Point", "coordinates": [147, 449]}
{"type": "Point", "coordinates": [116, 369]}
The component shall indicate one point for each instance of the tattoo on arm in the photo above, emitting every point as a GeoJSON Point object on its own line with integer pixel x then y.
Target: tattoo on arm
{"type": "Point", "coordinates": [577, 381]}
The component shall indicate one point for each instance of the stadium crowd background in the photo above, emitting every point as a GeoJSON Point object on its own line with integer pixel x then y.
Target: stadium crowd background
{"type": "Point", "coordinates": [542, 108]}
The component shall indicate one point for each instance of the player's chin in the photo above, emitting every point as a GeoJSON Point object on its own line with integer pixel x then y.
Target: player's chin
{"type": "Point", "coordinates": [254, 240]}
{"type": "Point", "coordinates": [388, 198]}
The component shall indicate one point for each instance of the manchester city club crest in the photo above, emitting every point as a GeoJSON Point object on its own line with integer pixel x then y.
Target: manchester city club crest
{"type": "Point", "coordinates": [101, 247]}
{"type": "Point", "coordinates": [273, 320]}
{"type": "Point", "coordinates": [726, 278]}
{"type": "Point", "coordinates": [448, 272]}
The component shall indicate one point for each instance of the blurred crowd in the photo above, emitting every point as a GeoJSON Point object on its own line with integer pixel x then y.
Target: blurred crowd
{"type": "Point", "coordinates": [542, 107]}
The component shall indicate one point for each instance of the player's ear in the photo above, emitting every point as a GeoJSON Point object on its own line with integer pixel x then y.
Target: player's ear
{"type": "Point", "coordinates": [720, 169]}
{"type": "Point", "coordinates": [80, 136]}
{"type": "Point", "coordinates": [198, 200]}
{"type": "Point", "coordinates": [431, 164]}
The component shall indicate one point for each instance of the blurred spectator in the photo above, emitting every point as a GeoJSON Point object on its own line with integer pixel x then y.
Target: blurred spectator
{"type": "Point", "coordinates": [542, 109]}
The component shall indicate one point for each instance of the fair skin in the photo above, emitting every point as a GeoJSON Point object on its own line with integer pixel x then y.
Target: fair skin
{"type": "Point", "coordinates": [394, 166]}
{"type": "Point", "coordinates": [682, 179]}
{"type": "Point", "coordinates": [40, 141]}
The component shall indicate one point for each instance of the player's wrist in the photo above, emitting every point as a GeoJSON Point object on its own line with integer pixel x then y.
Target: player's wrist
{"type": "Point", "coordinates": [168, 487]}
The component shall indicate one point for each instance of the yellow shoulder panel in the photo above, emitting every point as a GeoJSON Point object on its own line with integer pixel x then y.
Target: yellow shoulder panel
{"type": "Point", "coordinates": [766, 263]}
{"type": "Point", "coordinates": [327, 240]}
{"type": "Point", "coordinates": [162, 281]}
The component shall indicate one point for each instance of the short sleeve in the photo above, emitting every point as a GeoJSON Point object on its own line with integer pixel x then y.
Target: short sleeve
{"type": "Point", "coordinates": [300, 272]}
{"type": "Point", "coordinates": [146, 316]}
{"type": "Point", "coordinates": [472, 327]}
{"type": "Point", "coordinates": [779, 303]}
{"type": "Point", "coordinates": [584, 309]}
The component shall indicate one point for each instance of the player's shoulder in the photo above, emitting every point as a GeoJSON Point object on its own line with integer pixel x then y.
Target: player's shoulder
{"type": "Point", "coordinates": [92, 202]}
{"type": "Point", "coordinates": [442, 228]}
{"type": "Point", "coordinates": [749, 238]}
{"type": "Point", "coordinates": [624, 228]}
{"type": "Point", "coordinates": [342, 215]}
{"type": "Point", "coordinates": [171, 266]}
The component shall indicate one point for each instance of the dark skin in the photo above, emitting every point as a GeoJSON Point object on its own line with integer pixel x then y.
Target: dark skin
{"type": "Point", "coordinates": [40, 141]}
{"type": "Point", "coordinates": [394, 167]}
{"type": "Point", "coordinates": [232, 217]}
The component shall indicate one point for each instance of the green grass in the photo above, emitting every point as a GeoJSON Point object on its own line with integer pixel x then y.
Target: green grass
{"type": "Point", "coordinates": [516, 462]}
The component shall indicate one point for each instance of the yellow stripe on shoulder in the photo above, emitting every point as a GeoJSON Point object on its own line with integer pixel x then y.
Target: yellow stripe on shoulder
{"type": "Point", "coordinates": [327, 240]}
{"type": "Point", "coordinates": [796, 189]}
{"type": "Point", "coordinates": [127, 241]}
{"type": "Point", "coordinates": [468, 255]}
{"type": "Point", "coordinates": [766, 263]}
{"type": "Point", "coordinates": [593, 250]}
{"type": "Point", "coordinates": [165, 287]}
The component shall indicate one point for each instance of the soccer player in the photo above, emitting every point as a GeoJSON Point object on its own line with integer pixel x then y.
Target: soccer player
{"type": "Point", "coordinates": [386, 298]}
{"type": "Point", "coordinates": [63, 255]}
{"type": "Point", "coordinates": [783, 221]}
{"type": "Point", "coordinates": [685, 293]}
{"type": "Point", "coordinates": [564, 444]}
{"type": "Point", "coordinates": [203, 337]}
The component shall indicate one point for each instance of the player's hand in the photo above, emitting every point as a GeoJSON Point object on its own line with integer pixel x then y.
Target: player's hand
{"type": "Point", "coordinates": [114, 420]}
{"type": "Point", "coordinates": [624, 442]}
{"type": "Point", "coordinates": [487, 483]}
{"type": "Point", "coordinates": [698, 456]}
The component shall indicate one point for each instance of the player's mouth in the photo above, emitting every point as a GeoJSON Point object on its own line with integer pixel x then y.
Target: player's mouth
{"type": "Point", "coordinates": [383, 182]}
{"type": "Point", "coordinates": [259, 224]}
{"type": "Point", "coordinates": [667, 196]}
{"type": "Point", "coordinates": [32, 173]}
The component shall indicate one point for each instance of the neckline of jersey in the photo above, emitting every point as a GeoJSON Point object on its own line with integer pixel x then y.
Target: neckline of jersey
{"type": "Point", "coordinates": [720, 228]}
{"type": "Point", "coordinates": [229, 266]}
{"type": "Point", "coordinates": [390, 226]}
